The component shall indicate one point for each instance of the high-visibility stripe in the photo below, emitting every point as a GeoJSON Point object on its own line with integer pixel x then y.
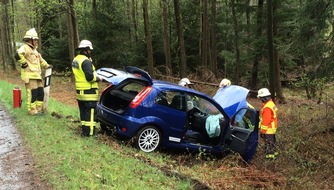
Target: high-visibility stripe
{"type": "Point", "coordinates": [92, 123]}
{"type": "Point", "coordinates": [88, 97]}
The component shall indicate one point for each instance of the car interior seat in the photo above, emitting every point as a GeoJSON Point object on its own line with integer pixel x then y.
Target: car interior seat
{"type": "Point", "coordinates": [162, 101]}
{"type": "Point", "coordinates": [177, 102]}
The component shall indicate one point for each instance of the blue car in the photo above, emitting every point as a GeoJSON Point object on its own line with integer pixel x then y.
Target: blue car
{"type": "Point", "coordinates": [161, 114]}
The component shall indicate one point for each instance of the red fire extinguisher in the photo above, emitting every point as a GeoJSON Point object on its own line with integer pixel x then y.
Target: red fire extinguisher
{"type": "Point", "coordinates": [17, 99]}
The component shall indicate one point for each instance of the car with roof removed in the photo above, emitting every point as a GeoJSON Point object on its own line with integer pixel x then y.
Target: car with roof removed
{"type": "Point", "coordinates": [158, 114]}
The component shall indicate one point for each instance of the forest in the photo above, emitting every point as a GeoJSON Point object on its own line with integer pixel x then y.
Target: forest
{"type": "Point", "coordinates": [284, 45]}
{"type": "Point", "coordinates": [255, 43]}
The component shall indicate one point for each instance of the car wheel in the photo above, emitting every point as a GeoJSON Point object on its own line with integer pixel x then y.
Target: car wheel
{"type": "Point", "coordinates": [105, 129]}
{"type": "Point", "coordinates": [148, 139]}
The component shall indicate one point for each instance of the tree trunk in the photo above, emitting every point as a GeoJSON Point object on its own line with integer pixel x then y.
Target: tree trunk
{"type": "Point", "coordinates": [3, 43]}
{"type": "Point", "coordinates": [134, 20]}
{"type": "Point", "coordinates": [148, 38]}
{"type": "Point", "coordinates": [165, 27]}
{"type": "Point", "coordinates": [6, 43]}
{"type": "Point", "coordinates": [73, 36]}
{"type": "Point", "coordinates": [236, 42]}
{"type": "Point", "coordinates": [272, 75]}
{"type": "Point", "coordinates": [179, 28]}
{"type": "Point", "coordinates": [94, 9]}
{"type": "Point", "coordinates": [258, 49]}
{"type": "Point", "coordinates": [72, 30]}
{"type": "Point", "coordinates": [204, 33]}
{"type": "Point", "coordinates": [213, 58]}
{"type": "Point", "coordinates": [278, 86]}
{"type": "Point", "coordinates": [70, 33]}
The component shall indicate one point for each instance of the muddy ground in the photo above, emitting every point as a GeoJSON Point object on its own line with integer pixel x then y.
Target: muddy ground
{"type": "Point", "coordinates": [16, 163]}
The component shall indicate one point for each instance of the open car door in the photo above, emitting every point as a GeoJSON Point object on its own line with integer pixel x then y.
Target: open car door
{"type": "Point", "coordinates": [242, 135]}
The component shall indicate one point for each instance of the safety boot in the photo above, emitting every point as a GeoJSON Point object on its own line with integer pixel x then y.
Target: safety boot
{"type": "Point", "coordinates": [40, 110]}
{"type": "Point", "coordinates": [271, 156]}
{"type": "Point", "coordinates": [32, 111]}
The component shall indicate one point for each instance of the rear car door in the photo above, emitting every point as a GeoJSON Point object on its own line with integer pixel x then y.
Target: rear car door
{"type": "Point", "coordinates": [171, 106]}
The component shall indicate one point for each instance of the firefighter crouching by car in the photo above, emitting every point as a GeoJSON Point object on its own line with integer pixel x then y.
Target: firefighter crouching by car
{"type": "Point", "coordinates": [86, 83]}
{"type": "Point", "coordinates": [31, 73]}
{"type": "Point", "coordinates": [268, 123]}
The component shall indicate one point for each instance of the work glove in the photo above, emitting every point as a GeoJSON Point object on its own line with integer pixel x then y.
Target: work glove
{"type": "Point", "coordinates": [24, 65]}
{"type": "Point", "coordinates": [50, 67]}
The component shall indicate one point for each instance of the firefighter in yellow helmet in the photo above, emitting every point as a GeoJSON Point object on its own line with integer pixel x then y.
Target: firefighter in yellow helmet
{"type": "Point", "coordinates": [268, 123]}
{"type": "Point", "coordinates": [31, 71]}
{"type": "Point", "coordinates": [86, 83]}
{"type": "Point", "coordinates": [224, 82]}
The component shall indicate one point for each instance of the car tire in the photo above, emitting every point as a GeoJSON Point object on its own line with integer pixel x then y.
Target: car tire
{"type": "Point", "coordinates": [105, 130]}
{"type": "Point", "coordinates": [148, 139]}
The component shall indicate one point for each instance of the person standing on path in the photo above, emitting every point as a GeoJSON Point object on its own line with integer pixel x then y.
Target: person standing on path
{"type": "Point", "coordinates": [268, 123]}
{"type": "Point", "coordinates": [87, 88]}
{"type": "Point", "coordinates": [31, 73]}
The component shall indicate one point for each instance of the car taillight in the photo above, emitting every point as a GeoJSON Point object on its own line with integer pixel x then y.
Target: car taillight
{"type": "Point", "coordinates": [140, 97]}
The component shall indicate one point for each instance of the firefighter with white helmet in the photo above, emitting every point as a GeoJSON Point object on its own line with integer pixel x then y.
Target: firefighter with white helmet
{"type": "Point", "coordinates": [224, 82]}
{"type": "Point", "coordinates": [31, 71]}
{"type": "Point", "coordinates": [268, 123]}
{"type": "Point", "coordinates": [86, 83]}
{"type": "Point", "coordinates": [185, 82]}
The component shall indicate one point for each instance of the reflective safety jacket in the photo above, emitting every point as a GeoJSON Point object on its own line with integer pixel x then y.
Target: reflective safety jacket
{"type": "Point", "coordinates": [85, 78]}
{"type": "Point", "coordinates": [31, 62]}
{"type": "Point", "coordinates": [268, 118]}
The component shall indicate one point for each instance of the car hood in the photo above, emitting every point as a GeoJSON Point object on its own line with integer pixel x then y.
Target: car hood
{"type": "Point", "coordinates": [232, 98]}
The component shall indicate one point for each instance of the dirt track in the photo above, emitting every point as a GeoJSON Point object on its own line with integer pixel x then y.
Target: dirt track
{"type": "Point", "coordinates": [16, 164]}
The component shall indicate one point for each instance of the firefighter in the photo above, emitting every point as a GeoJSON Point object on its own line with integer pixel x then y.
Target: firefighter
{"type": "Point", "coordinates": [268, 123]}
{"type": "Point", "coordinates": [185, 82]}
{"type": "Point", "coordinates": [86, 83]}
{"type": "Point", "coordinates": [224, 82]}
{"type": "Point", "coordinates": [31, 71]}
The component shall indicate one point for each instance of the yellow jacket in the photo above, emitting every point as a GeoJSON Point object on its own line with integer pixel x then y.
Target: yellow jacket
{"type": "Point", "coordinates": [87, 88]}
{"type": "Point", "coordinates": [31, 62]}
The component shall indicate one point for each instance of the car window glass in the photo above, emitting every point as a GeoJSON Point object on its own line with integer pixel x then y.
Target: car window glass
{"type": "Point", "coordinates": [177, 100]}
{"type": "Point", "coordinates": [245, 118]}
{"type": "Point", "coordinates": [161, 99]}
{"type": "Point", "coordinates": [205, 118]}
{"type": "Point", "coordinates": [204, 105]}
{"type": "Point", "coordinates": [172, 99]}
{"type": "Point", "coordinates": [133, 87]}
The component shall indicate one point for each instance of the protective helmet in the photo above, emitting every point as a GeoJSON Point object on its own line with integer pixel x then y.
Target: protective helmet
{"type": "Point", "coordinates": [263, 92]}
{"type": "Point", "coordinates": [224, 82]}
{"type": "Point", "coordinates": [31, 34]}
{"type": "Point", "coordinates": [85, 44]}
{"type": "Point", "coordinates": [185, 81]}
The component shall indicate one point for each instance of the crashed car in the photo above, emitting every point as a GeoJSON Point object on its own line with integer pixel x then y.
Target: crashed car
{"type": "Point", "coordinates": [161, 114]}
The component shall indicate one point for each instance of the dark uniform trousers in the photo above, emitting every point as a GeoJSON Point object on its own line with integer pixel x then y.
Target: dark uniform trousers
{"type": "Point", "coordinates": [88, 117]}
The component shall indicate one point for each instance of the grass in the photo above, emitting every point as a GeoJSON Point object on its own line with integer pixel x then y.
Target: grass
{"type": "Point", "coordinates": [67, 161]}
